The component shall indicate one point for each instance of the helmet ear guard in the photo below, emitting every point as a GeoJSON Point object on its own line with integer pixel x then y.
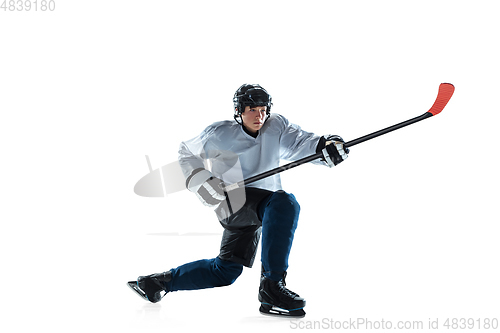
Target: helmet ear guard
{"type": "Point", "coordinates": [251, 95]}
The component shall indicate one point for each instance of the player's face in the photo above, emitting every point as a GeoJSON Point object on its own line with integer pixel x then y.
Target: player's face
{"type": "Point", "coordinates": [253, 118]}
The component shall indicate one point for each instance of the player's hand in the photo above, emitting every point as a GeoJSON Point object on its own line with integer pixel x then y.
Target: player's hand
{"type": "Point", "coordinates": [206, 187]}
{"type": "Point", "coordinates": [334, 151]}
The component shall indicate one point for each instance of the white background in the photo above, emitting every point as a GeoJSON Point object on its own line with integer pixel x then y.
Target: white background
{"type": "Point", "coordinates": [405, 229]}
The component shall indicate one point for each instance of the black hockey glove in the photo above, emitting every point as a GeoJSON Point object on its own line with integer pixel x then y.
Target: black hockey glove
{"type": "Point", "coordinates": [206, 187]}
{"type": "Point", "coordinates": [333, 149]}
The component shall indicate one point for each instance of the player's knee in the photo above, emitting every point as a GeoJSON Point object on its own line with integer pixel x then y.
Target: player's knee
{"type": "Point", "coordinates": [228, 272]}
{"type": "Point", "coordinates": [229, 278]}
{"type": "Point", "coordinates": [286, 203]}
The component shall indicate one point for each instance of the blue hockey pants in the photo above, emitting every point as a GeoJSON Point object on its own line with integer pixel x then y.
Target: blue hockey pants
{"type": "Point", "coordinates": [279, 213]}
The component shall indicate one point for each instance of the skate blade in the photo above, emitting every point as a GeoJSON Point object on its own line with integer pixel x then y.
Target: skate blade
{"type": "Point", "coordinates": [133, 285]}
{"type": "Point", "coordinates": [274, 311]}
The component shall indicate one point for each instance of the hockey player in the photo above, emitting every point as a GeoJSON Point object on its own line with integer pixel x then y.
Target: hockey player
{"type": "Point", "coordinates": [258, 140]}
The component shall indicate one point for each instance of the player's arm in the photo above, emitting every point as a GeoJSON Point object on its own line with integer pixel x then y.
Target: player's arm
{"type": "Point", "coordinates": [199, 180]}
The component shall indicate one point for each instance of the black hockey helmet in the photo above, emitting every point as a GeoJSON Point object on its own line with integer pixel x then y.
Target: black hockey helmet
{"type": "Point", "coordinates": [251, 95]}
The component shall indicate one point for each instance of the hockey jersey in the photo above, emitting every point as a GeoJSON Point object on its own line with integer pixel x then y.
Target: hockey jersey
{"type": "Point", "coordinates": [232, 155]}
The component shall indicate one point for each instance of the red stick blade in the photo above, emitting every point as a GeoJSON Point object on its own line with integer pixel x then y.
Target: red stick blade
{"type": "Point", "coordinates": [445, 92]}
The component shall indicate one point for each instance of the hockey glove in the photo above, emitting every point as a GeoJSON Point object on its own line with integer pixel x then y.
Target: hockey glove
{"type": "Point", "coordinates": [206, 187]}
{"type": "Point", "coordinates": [333, 151]}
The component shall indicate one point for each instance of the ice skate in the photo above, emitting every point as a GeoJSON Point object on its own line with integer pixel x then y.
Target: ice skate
{"type": "Point", "coordinates": [151, 287]}
{"type": "Point", "coordinates": [277, 300]}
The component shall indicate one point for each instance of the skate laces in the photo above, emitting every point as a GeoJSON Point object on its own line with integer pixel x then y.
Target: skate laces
{"type": "Point", "coordinates": [283, 289]}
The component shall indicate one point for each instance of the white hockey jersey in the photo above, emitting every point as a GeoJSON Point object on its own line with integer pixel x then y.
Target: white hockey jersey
{"type": "Point", "coordinates": [235, 155]}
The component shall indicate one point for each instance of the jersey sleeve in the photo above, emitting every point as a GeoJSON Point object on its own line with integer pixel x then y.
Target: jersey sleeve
{"type": "Point", "coordinates": [190, 152]}
{"type": "Point", "coordinates": [296, 143]}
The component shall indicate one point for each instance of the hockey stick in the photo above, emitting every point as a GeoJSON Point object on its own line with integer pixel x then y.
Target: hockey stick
{"type": "Point", "coordinates": [444, 94]}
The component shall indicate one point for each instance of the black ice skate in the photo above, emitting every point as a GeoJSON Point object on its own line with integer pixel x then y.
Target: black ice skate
{"type": "Point", "coordinates": [277, 300]}
{"type": "Point", "coordinates": [152, 287]}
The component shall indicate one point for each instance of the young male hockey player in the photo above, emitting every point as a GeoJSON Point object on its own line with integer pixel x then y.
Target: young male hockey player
{"type": "Point", "coordinates": [255, 141]}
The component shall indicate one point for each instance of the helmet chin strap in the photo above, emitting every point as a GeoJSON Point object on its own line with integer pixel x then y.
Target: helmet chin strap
{"type": "Point", "coordinates": [236, 118]}
{"type": "Point", "coordinates": [268, 114]}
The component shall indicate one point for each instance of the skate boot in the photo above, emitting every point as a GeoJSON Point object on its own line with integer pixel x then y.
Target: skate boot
{"type": "Point", "coordinates": [277, 300]}
{"type": "Point", "coordinates": [152, 287]}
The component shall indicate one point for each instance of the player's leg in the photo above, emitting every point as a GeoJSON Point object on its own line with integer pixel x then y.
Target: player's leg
{"type": "Point", "coordinates": [201, 274]}
{"type": "Point", "coordinates": [279, 214]}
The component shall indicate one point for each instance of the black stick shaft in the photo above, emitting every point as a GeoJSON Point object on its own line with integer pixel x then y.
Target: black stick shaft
{"type": "Point", "coordinates": [320, 155]}
{"type": "Point", "coordinates": [282, 168]}
{"type": "Point", "coordinates": [387, 130]}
